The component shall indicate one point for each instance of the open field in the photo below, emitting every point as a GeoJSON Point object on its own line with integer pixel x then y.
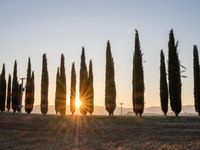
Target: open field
{"type": "Point", "coordinates": [22, 131]}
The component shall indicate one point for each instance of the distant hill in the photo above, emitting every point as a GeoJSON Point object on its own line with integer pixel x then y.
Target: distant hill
{"type": "Point", "coordinates": [188, 109]}
{"type": "Point", "coordinates": [100, 110]}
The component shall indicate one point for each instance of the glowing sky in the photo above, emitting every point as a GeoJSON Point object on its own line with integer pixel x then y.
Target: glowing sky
{"type": "Point", "coordinates": [31, 28]}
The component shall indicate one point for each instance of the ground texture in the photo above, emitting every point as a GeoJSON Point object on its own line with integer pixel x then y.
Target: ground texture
{"type": "Point", "coordinates": [48, 132]}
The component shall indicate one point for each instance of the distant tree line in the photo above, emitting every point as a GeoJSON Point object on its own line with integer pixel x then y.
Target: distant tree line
{"type": "Point", "coordinates": [11, 92]}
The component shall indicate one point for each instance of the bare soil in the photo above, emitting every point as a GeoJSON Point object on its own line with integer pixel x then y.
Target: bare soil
{"type": "Point", "coordinates": [46, 132]}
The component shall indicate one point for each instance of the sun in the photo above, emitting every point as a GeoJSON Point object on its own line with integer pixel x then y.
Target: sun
{"type": "Point", "coordinates": [78, 103]}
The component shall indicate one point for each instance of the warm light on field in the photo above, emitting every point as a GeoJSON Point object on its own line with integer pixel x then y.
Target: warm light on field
{"type": "Point", "coordinates": [78, 103]}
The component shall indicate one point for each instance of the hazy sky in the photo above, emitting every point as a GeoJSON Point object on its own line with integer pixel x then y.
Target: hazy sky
{"type": "Point", "coordinates": [31, 28]}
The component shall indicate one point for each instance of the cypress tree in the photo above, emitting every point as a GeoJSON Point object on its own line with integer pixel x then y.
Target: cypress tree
{"type": "Point", "coordinates": [62, 102]}
{"type": "Point", "coordinates": [19, 102]}
{"type": "Point", "coordinates": [57, 91]}
{"type": "Point", "coordinates": [90, 89]}
{"type": "Point", "coordinates": [44, 86]}
{"type": "Point", "coordinates": [32, 89]}
{"type": "Point", "coordinates": [163, 85]}
{"type": "Point", "coordinates": [138, 78]}
{"type": "Point", "coordinates": [28, 92]}
{"type": "Point", "coordinates": [174, 75]}
{"type": "Point", "coordinates": [3, 89]}
{"type": "Point", "coordinates": [196, 70]}
{"type": "Point", "coordinates": [110, 89]}
{"type": "Point", "coordinates": [9, 93]}
{"type": "Point", "coordinates": [15, 86]}
{"type": "Point", "coordinates": [73, 89]}
{"type": "Point", "coordinates": [83, 84]}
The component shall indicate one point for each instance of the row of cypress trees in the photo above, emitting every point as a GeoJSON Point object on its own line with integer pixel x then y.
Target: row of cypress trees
{"type": "Point", "coordinates": [170, 90]}
{"type": "Point", "coordinates": [14, 92]}
{"type": "Point", "coordinates": [86, 88]}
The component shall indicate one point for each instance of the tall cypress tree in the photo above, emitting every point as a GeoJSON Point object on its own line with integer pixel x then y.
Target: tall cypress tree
{"type": "Point", "coordinates": [15, 86]}
{"type": "Point", "coordinates": [28, 92]}
{"type": "Point", "coordinates": [57, 94]}
{"type": "Point", "coordinates": [174, 75]}
{"type": "Point", "coordinates": [163, 84]}
{"type": "Point", "coordinates": [73, 89]}
{"type": "Point", "coordinates": [9, 93]}
{"type": "Point", "coordinates": [3, 89]}
{"type": "Point", "coordinates": [90, 89]}
{"type": "Point", "coordinates": [110, 89]}
{"type": "Point", "coordinates": [83, 84]}
{"type": "Point", "coordinates": [196, 70]}
{"type": "Point", "coordinates": [62, 103]}
{"type": "Point", "coordinates": [44, 86]}
{"type": "Point", "coordinates": [138, 79]}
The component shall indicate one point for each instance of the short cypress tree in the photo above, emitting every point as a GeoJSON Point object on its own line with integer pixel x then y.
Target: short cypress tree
{"type": "Point", "coordinates": [44, 86]}
{"type": "Point", "coordinates": [163, 84]}
{"type": "Point", "coordinates": [174, 75]}
{"type": "Point", "coordinates": [90, 89]}
{"type": "Point", "coordinates": [62, 102]}
{"type": "Point", "coordinates": [83, 84]}
{"type": "Point", "coordinates": [32, 89]}
{"type": "Point", "coordinates": [9, 93]}
{"type": "Point", "coordinates": [110, 89]}
{"type": "Point", "coordinates": [57, 91]}
{"type": "Point", "coordinates": [138, 79]}
{"type": "Point", "coordinates": [3, 89]}
{"type": "Point", "coordinates": [15, 86]}
{"type": "Point", "coordinates": [28, 92]}
{"type": "Point", "coordinates": [73, 89]}
{"type": "Point", "coordinates": [196, 70]}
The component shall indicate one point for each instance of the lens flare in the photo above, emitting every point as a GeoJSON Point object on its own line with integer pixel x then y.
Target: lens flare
{"type": "Point", "coordinates": [78, 103]}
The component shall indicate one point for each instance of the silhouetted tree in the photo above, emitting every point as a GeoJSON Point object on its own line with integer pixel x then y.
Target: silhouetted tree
{"type": "Point", "coordinates": [28, 92]}
{"type": "Point", "coordinates": [3, 89]}
{"type": "Point", "coordinates": [15, 89]}
{"type": "Point", "coordinates": [110, 89]}
{"type": "Point", "coordinates": [32, 89]}
{"type": "Point", "coordinates": [57, 94]}
{"type": "Point", "coordinates": [90, 90]}
{"type": "Point", "coordinates": [20, 95]}
{"type": "Point", "coordinates": [73, 90]}
{"type": "Point", "coordinates": [83, 84]}
{"type": "Point", "coordinates": [174, 75]}
{"type": "Point", "coordinates": [138, 79]}
{"type": "Point", "coordinates": [62, 101]}
{"type": "Point", "coordinates": [9, 93]}
{"type": "Point", "coordinates": [196, 79]}
{"type": "Point", "coordinates": [44, 86]}
{"type": "Point", "coordinates": [163, 84]}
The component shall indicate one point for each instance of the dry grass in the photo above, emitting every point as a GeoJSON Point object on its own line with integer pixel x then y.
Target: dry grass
{"type": "Point", "coordinates": [22, 131]}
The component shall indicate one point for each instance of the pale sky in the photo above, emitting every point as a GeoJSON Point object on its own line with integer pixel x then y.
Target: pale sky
{"type": "Point", "coordinates": [31, 28]}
